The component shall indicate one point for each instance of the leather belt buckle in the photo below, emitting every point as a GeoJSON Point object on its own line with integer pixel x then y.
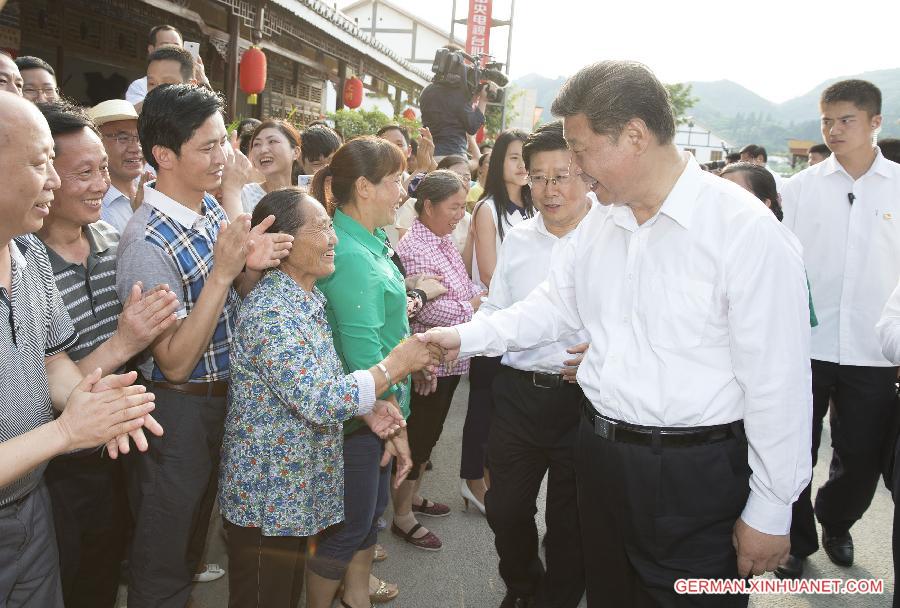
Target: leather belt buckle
{"type": "Point", "coordinates": [541, 380]}
{"type": "Point", "coordinates": [604, 428]}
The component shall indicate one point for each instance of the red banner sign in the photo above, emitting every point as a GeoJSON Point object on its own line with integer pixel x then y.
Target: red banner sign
{"type": "Point", "coordinates": [478, 37]}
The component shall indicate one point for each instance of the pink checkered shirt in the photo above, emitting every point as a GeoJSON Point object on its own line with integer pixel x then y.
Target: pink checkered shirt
{"type": "Point", "coordinates": [421, 251]}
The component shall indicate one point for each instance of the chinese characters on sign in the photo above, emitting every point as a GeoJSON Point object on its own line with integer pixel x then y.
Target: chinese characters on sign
{"type": "Point", "coordinates": [479, 31]}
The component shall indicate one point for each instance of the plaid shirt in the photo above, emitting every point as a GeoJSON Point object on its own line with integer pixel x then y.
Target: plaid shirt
{"type": "Point", "coordinates": [421, 251]}
{"type": "Point", "coordinates": [167, 243]}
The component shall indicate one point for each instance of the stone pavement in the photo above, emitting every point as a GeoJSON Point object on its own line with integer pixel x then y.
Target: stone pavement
{"type": "Point", "coordinates": [464, 573]}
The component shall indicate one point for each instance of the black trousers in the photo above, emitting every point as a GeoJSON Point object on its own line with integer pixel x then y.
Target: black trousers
{"type": "Point", "coordinates": [426, 421]}
{"type": "Point", "coordinates": [895, 544]}
{"type": "Point", "coordinates": [650, 516]}
{"type": "Point", "coordinates": [264, 571]}
{"type": "Point", "coordinates": [532, 433]}
{"type": "Point", "coordinates": [478, 417]}
{"type": "Point", "coordinates": [862, 399]}
{"type": "Point", "coordinates": [172, 489]}
{"type": "Point", "coordinates": [90, 514]}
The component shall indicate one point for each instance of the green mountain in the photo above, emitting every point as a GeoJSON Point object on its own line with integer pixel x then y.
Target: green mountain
{"type": "Point", "coordinates": [740, 116]}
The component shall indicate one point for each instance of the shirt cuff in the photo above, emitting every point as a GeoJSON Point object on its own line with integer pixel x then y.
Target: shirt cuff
{"type": "Point", "coordinates": [472, 338]}
{"type": "Point", "coordinates": [765, 516]}
{"type": "Point", "coordinates": [366, 391]}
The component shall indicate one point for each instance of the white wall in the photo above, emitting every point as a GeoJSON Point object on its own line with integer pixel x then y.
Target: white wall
{"type": "Point", "coordinates": [701, 141]}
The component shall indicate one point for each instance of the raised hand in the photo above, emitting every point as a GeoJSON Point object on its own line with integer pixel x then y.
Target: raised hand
{"type": "Point", "coordinates": [145, 316]}
{"type": "Point", "coordinates": [237, 171]}
{"type": "Point", "coordinates": [98, 410]}
{"type": "Point", "coordinates": [385, 419]}
{"type": "Point", "coordinates": [571, 365]}
{"type": "Point", "coordinates": [230, 252]}
{"type": "Point", "coordinates": [425, 151]}
{"type": "Point", "coordinates": [138, 200]}
{"type": "Point", "coordinates": [267, 249]}
{"type": "Point", "coordinates": [120, 444]}
{"type": "Point", "coordinates": [445, 337]}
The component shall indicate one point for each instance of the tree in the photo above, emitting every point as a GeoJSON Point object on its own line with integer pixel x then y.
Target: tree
{"type": "Point", "coordinates": [681, 100]}
{"type": "Point", "coordinates": [354, 123]}
{"type": "Point", "coordinates": [493, 118]}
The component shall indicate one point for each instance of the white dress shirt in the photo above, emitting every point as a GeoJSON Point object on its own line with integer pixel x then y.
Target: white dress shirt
{"type": "Point", "coordinates": [115, 209]}
{"type": "Point", "coordinates": [524, 263]}
{"type": "Point", "coordinates": [852, 253]}
{"type": "Point", "coordinates": [137, 90]}
{"type": "Point", "coordinates": [888, 328]}
{"type": "Point", "coordinates": [697, 317]}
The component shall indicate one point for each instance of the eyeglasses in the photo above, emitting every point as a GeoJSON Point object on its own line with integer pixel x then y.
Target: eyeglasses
{"type": "Point", "coordinates": [45, 91]}
{"type": "Point", "coordinates": [123, 139]}
{"type": "Point", "coordinates": [541, 182]}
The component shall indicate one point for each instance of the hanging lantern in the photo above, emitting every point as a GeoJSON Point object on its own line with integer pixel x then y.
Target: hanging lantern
{"type": "Point", "coordinates": [253, 73]}
{"type": "Point", "coordinates": [353, 92]}
{"type": "Point", "coordinates": [479, 137]}
{"type": "Point", "coordinates": [409, 114]}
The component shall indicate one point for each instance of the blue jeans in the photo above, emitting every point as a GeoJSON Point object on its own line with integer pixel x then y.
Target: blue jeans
{"type": "Point", "coordinates": [366, 491]}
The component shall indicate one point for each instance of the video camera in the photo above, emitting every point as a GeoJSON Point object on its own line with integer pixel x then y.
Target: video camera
{"type": "Point", "coordinates": [460, 68]}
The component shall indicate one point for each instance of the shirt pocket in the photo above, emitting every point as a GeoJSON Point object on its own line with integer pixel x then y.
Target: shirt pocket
{"type": "Point", "coordinates": [677, 311]}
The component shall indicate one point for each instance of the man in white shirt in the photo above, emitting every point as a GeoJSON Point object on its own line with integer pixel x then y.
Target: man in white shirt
{"type": "Point", "coordinates": [846, 213]}
{"type": "Point", "coordinates": [117, 122]}
{"type": "Point", "coordinates": [160, 36]}
{"type": "Point", "coordinates": [536, 410]}
{"type": "Point", "coordinates": [692, 445]}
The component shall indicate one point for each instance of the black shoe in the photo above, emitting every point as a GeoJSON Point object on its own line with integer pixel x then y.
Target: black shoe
{"type": "Point", "coordinates": [838, 548]}
{"type": "Point", "coordinates": [514, 601]}
{"type": "Point", "coordinates": [792, 567]}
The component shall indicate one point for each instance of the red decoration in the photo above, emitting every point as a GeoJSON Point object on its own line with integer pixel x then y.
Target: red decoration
{"type": "Point", "coordinates": [253, 73]}
{"type": "Point", "coordinates": [409, 114]}
{"type": "Point", "coordinates": [353, 92]}
{"type": "Point", "coordinates": [479, 137]}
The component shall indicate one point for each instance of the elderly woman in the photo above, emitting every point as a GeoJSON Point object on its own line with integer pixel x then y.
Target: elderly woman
{"type": "Point", "coordinates": [428, 248]}
{"type": "Point", "coordinates": [281, 477]}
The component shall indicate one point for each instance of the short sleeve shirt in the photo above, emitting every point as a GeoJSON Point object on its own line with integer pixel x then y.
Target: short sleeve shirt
{"type": "Point", "coordinates": [34, 324]}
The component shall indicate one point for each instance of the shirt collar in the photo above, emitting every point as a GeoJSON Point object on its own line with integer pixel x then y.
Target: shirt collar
{"type": "Point", "coordinates": [681, 201]}
{"type": "Point", "coordinates": [172, 208]}
{"type": "Point", "coordinates": [113, 194]}
{"type": "Point", "coordinates": [97, 240]}
{"type": "Point", "coordinates": [423, 233]}
{"type": "Point", "coordinates": [373, 242]}
{"type": "Point", "coordinates": [17, 249]}
{"type": "Point", "coordinates": [879, 165]}
{"type": "Point", "coordinates": [288, 287]}
{"type": "Point", "coordinates": [512, 208]}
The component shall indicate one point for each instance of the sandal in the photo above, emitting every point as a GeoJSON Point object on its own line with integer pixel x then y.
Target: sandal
{"type": "Point", "coordinates": [431, 509]}
{"type": "Point", "coordinates": [429, 542]}
{"type": "Point", "coordinates": [212, 572]}
{"type": "Point", "coordinates": [380, 554]}
{"type": "Point", "coordinates": [385, 593]}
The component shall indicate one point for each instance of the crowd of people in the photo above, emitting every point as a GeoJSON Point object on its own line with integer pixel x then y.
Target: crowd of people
{"type": "Point", "coordinates": [276, 321]}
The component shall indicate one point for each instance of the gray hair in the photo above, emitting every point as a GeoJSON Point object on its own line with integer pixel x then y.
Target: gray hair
{"type": "Point", "coordinates": [610, 93]}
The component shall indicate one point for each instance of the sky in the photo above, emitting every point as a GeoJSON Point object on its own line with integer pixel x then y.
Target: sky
{"type": "Point", "coordinates": [778, 49]}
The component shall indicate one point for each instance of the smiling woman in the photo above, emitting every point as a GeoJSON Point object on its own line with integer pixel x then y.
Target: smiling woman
{"type": "Point", "coordinates": [275, 153]}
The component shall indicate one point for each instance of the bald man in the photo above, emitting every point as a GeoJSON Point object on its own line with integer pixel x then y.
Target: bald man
{"type": "Point", "coordinates": [36, 373]}
{"type": "Point", "coordinates": [10, 77]}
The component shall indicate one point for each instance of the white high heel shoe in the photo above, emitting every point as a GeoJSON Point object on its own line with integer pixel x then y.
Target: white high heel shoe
{"type": "Point", "coordinates": [468, 496]}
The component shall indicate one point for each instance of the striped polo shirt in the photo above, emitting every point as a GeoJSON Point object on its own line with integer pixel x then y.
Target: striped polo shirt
{"type": "Point", "coordinates": [89, 293]}
{"type": "Point", "coordinates": [33, 324]}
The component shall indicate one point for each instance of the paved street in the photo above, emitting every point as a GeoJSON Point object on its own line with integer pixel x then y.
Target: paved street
{"type": "Point", "coordinates": [464, 573]}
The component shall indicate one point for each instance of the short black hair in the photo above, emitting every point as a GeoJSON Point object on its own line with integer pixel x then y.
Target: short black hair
{"type": "Point", "coordinates": [318, 141]}
{"type": "Point", "coordinates": [610, 93]}
{"type": "Point", "coordinates": [820, 149]}
{"type": "Point", "coordinates": [151, 39]}
{"type": "Point", "coordinates": [175, 53]}
{"type": "Point", "coordinates": [64, 117]}
{"type": "Point", "coordinates": [545, 138]}
{"type": "Point", "coordinates": [403, 131]}
{"type": "Point", "coordinates": [890, 148]}
{"type": "Point", "coordinates": [861, 93]}
{"type": "Point", "coordinates": [755, 151]}
{"type": "Point", "coordinates": [28, 62]}
{"type": "Point", "coordinates": [733, 157]}
{"type": "Point", "coordinates": [171, 114]}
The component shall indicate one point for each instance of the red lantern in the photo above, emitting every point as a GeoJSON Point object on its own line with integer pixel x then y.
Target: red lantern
{"type": "Point", "coordinates": [409, 114]}
{"type": "Point", "coordinates": [353, 92]}
{"type": "Point", "coordinates": [479, 137]}
{"type": "Point", "coordinates": [253, 73]}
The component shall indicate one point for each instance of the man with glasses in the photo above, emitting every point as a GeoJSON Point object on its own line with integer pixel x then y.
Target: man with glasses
{"type": "Point", "coordinates": [536, 402]}
{"type": "Point", "coordinates": [39, 79]}
{"type": "Point", "coordinates": [117, 121]}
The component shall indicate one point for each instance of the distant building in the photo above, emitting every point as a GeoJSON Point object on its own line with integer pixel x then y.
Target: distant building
{"type": "Point", "coordinates": [799, 150]}
{"type": "Point", "coordinates": [405, 33]}
{"type": "Point", "coordinates": [701, 142]}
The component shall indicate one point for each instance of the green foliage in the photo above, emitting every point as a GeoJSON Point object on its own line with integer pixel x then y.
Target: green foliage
{"type": "Point", "coordinates": [353, 123]}
{"type": "Point", "coordinates": [681, 99]}
{"type": "Point", "coordinates": [493, 118]}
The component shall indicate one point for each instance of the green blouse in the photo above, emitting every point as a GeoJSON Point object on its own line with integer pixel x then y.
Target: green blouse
{"type": "Point", "coordinates": [366, 303]}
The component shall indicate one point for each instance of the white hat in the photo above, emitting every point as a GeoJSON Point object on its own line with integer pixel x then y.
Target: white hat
{"type": "Point", "coordinates": [110, 110]}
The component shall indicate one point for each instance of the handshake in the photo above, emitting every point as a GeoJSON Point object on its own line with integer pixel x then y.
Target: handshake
{"type": "Point", "coordinates": [422, 353]}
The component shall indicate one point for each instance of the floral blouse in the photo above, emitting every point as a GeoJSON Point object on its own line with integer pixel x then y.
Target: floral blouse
{"type": "Point", "coordinates": [282, 453]}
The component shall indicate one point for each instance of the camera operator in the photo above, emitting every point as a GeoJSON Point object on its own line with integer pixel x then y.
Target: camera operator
{"type": "Point", "coordinates": [450, 112]}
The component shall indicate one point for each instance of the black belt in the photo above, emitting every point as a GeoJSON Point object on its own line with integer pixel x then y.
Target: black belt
{"type": "Point", "coordinates": [542, 380]}
{"type": "Point", "coordinates": [672, 437]}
